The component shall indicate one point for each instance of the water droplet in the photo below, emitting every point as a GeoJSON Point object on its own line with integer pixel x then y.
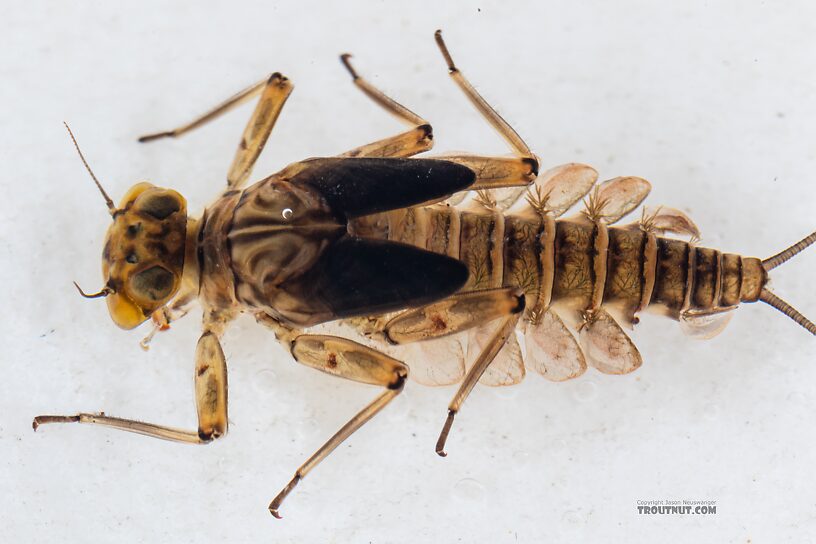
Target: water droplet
{"type": "Point", "coordinates": [711, 411]}
{"type": "Point", "coordinates": [469, 489]}
{"type": "Point", "coordinates": [573, 517]}
{"type": "Point", "coordinates": [521, 457]}
{"type": "Point", "coordinates": [401, 410]}
{"type": "Point", "coordinates": [265, 380]}
{"type": "Point", "coordinates": [307, 428]}
{"type": "Point", "coordinates": [507, 392]}
{"type": "Point", "coordinates": [586, 391]}
{"type": "Point", "coordinates": [797, 397]}
{"type": "Point", "coordinates": [558, 447]}
{"type": "Point", "coordinates": [287, 213]}
{"type": "Point", "coordinates": [223, 465]}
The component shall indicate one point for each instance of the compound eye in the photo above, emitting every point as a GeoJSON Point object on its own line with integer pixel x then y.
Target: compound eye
{"type": "Point", "coordinates": [159, 205]}
{"type": "Point", "coordinates": [154, 283]}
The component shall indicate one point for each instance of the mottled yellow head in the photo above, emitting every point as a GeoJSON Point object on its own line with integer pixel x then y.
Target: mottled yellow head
{"type": "Point", "coordinates": [143, 258]}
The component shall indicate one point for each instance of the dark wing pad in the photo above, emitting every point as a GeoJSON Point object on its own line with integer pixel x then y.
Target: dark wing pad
{"type": "Point", "coordinates": [356, 277]}
{"type": "Point", "coordinates": [359, 186]}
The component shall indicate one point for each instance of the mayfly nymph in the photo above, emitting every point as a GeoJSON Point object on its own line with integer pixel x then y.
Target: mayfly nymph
{"type": "Point", "coordinates": [437, 266]}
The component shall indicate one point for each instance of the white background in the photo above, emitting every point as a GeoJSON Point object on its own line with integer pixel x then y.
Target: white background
{"type": "Point", "coordinates": [714, 102]}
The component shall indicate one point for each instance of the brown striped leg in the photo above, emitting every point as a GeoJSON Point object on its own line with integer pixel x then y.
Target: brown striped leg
{"type": "Point", "coordinates": [496, 343]}
{"type": "Point", "coordinates": [502, 127]}
{"type": "Point", "coordinates": [346, 359]}
{"type": "Point", "coordinates": [211, 402]}
{"type": "Point", "coordinates": [497, 172]}
{"type": "Point", "coordinates": [407, 144]}
{"type": "Point", "coordinates": [274, 91]}
{"type": "Point", "coordinates": [455, 314]}
{"type": "Point", "coordinates": [493, 172]}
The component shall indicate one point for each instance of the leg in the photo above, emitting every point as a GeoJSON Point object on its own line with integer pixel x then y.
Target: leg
{"type": "Point", "coordinates": [274, 92]}
{"type": "Point", "coordinates": [492, 172]}
{"type": "Point", "coordinates": [505, 130]}
{"type": "Point", "coordinates": [165, 315]}
{"type": "Point", "coordinates": [211, 402]}
{"type": "Point", "coordinates": [497, 172]}
{"type": "Point", "coordinates": [486, 357]}
{"type": "Point", "coordinates": [347, 359]}
{"type": "Point", "coordinates": [454, 314]}
{"type": "Point", "coordinates": [409, 143]}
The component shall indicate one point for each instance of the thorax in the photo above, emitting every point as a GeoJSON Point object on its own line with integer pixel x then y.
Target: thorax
{"type": "Point", "coordinates": [253, 240]}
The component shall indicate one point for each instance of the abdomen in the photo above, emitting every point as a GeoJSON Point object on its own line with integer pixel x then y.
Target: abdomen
{"type": "Point", "coordinates": [573, 262]}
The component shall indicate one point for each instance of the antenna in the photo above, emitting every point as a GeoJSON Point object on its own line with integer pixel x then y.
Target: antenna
{"type": "Point", "coordinates": [108, 200]}
{"type": "Point", "coordinates": [103, 293]}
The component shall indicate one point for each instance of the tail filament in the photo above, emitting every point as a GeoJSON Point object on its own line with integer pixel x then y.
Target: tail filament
{"type": "Point", "coordinates": [769, 298]}
{"type": "Point", "coordinates": [772, 262]}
